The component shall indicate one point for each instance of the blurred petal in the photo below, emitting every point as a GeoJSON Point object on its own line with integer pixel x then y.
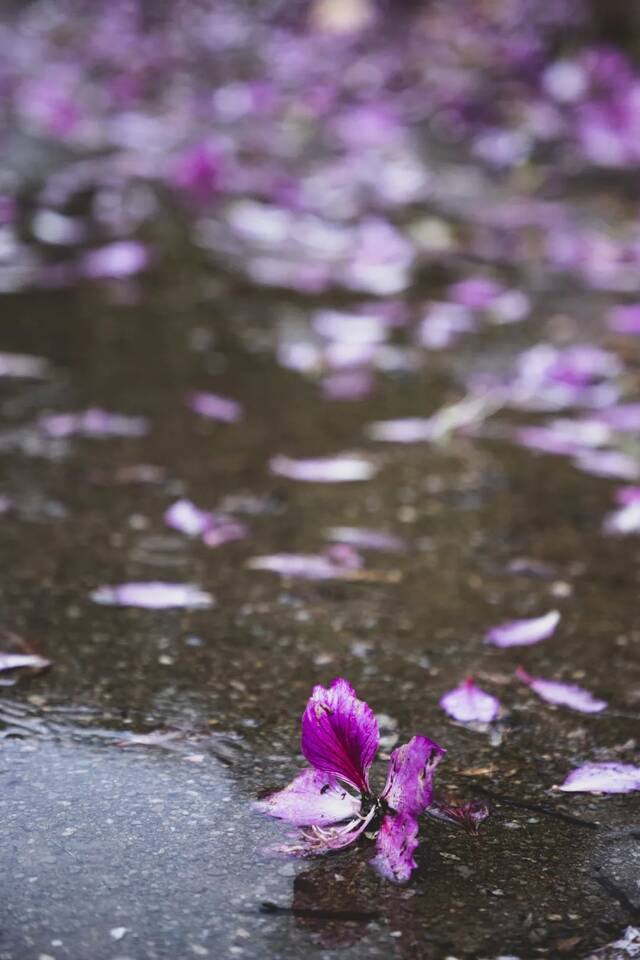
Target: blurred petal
{"type": "Point", "coordinates": [305, 566]}
{"type": "Point", "coordinates": [410, 778]}
{"type": "Point", "coordinates": [522, 633]}
{"type": "Point", "coordinates": [214, 406]}
{"type": "Point", "coordinates": [153, 596]}
{"type": "Point", "coordinates": [17, 661]}
{"type": "Point", "coordinates": [313, 798]}
{"type": "Point", "coordinates": [468, 703]}
{"type": "Point", "coordinates": [340, 734]}
{"type": "Point", "coordinates": [603, 778]}
{"type": "Point", "coordinates": [563, 694]}
{"type": "Point", "coordinates": [345, 468]}
{"type": "Point", "coordinates": [396, 844]}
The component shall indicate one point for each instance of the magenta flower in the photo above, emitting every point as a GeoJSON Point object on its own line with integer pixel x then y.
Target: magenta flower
{"type": "Point", "coordinates": [333, 801]}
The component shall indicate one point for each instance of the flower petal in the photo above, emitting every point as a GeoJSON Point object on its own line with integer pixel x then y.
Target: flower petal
{"type": "Point", "coordinates": [340, 733]}
{"type": "Point", "coordinates": [215, 407]}
{"type": "Point", "coordinates": [522, 633]}
{"type": "Point", "coordinates": [397, 841]}
{"type": "Point", "coordinates": [469, 815]}
{"type": "Point", "coordinates": [563, 694]}
{"type": "Point", "coordinates": [313, 798]}
{"type": "Point", "coordinates": [603, 778]}
{"type": "Point", "coordinates": [345, 468]}
{"type": "Point", "coordinates": [468, 703]}
{"type": "Point", "coordinates": [410, 778]}
{"type": "Point", "coordinates": [318, 840]}
{"type": "Point", "coordinates": [153, 596]}
{"type": "Point", "coordinates": [16, 661]}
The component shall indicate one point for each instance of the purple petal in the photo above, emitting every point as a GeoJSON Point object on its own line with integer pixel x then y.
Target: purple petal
{"type": "Point", "coordinates": [214, 406]}
{"type": "Point", "coordinates": [187, 518]}
{"type": "Point", "coordinates": [563, 694]}
{"type": "Point", "coordinates": [223, 530]}
{"type": "Point", "coordinates": [627, 495]}
{"type": "Point", "coordinates": [476, 293]}
{"type": "Point", "coordinates": [443, 323]}
{"type": "Point", "coordinates": [340, 733]}
{"type": "Point", "coordinates": [345, 468]}
{"type": "Point", "coordinates": [313, 798]}
{"type": "Point", "coordinates": [305, 566]}
{"type": "Point", "coordinates": [115, 261]}
{"type": "Point", "coordinates": [623, 417]}
{"type": "Point", "coordinates": [625, 319]}
{"type": "Point", "coordinates": [624, 521]}
{"type": "Point", "coordinates": [395, 846]}
{"type": "Point", "coordinates": [410, 777]}
{"type": "Point", "coordinates": [603, 778]}
{"type": "Point", "coordinates": [364, 539]}
{"type": "Point", "coordinates": [523, 633]}
{"type": "Point", "coordinates": [23, 365]}
{"type": "Point", "coordinates": [348, 385]}
{"type": "Point", "coordinates": [608, 463]}
{"type": "Point", "coordinates": [468, 704]}
{"type": "Point", "coordinates": [469, 815]}
{"type": "Point", "coordinates": [16, 661]}
{"type": "Point", "coordinates": [93, 423]}
{"type": "Point", "coordinates": [153, 596]}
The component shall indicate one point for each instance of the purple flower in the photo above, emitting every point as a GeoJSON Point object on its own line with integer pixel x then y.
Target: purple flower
{"type": "Point", "coordinates": [333, 801]}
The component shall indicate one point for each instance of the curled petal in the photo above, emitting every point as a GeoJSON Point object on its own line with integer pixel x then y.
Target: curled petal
{"type": "Point", "coordinates": [469, 815]}
{"type": "Point", "coordinates": [563, 694]}
{"type": "Point", "coordinates": [410, 778]}
{"type": "Point", "coordinates": [396, 844]}
{"type": "Point", "coordinates": [523, 633]}
{"type": "Point", "coordinates": [340, 734]}
{"type": "Point", "coordinates": [469, 704]}
{"type": "Point", "coordinates": [603, 778]}
{"type": "Point", "coordinates": [311, 799]}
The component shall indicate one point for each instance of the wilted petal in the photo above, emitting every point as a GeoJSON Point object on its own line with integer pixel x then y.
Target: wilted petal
{"type": "Point", "coordinates": [522, 633]}
{"type": "Point", "coordinates": [395, 846]}
{"type": "Point", "coordinates": [603, 778]}
{"type": "Point", "coordinates": [410, 778]}
{"type": "Point", "coordinates": [153, 596]}
{"type": "Point", "coordinates": [214, 406]}
{"type": "Point", "coordinates": [468, 815]}
{"type": "Point", "coordinates": [17, 661]}
{"type": "Point", "coordinates": [340, 469]}
{"type": "Point", "coordinates": [313, 798]}
{"type": "Point", "coordinates": [468, 703]}
{"type": "Point", "coordinates": [563, 694]}
{"type": "Point", "coordinates": [340, 733]}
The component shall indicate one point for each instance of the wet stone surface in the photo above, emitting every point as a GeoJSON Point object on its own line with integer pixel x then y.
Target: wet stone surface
{"type": "Point", "coordinates": [102, 834]}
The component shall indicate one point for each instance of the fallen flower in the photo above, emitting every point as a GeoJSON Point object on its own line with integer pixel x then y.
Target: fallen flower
{"type": "Point", "coordinates": [153, 596]}
{"type": "Point", "coordinates": [213, 528]}
{"type": "Point", "coordinates": [467, 703]}
{"type": "Point", "coordinates": [214, 406]}
{"type": "Point", "coordinates": [17, 661]}
{"type": "Point", "coordinates": [333, 802]}
{"type": "Point", "coordinates": [523, 633]}
{"type": "Point", "coordinates": [469, 815]}
{"type": "Point", "coordinates": [605, 777]}
{"type": "Point", "coordinates": [345, 468]}
{"type": "Point", "coordinates": [562, 694]}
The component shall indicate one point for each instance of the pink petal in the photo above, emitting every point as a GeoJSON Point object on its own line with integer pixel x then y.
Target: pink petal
{"type": "Point", "coordinates": [23, 365]}
{"type": "Point", "coordinates": [340, 469]}
{"type": "Point", "coordinates": [469, 815]}
{"type": "Point", "coordinates": [469, 704]}
{"type": "Point", "coordinates": [306, 566]}
{"type": "Point", "coordinates": [363, 538]}
{"type": "Point", "coordinates": [609, 463]}
{"type": "Point", "coordinates": [395, 846]}
{"type": "Point", "coordinates": [624, 521]}
{"type": "Point", "coordinates": [115, 261]}
{"type": "Point", "coordinates": [153, 596]}
{"type": "Point", "coordinates": [214, 406]}
{"type": "Point", "coordinates": [93, 422]}
{"type": "Point", "coordinates": [410, 777]}
{"type": "Point", "coordinates": [603, 778]}
{"type": "Point", "coordinates": [16, 661]}
{"type": "Point", "coordinates": [625, 318]}
{"type": "Point", "coordinates": [340, 734]}
{"type": "Point", "coordinates": [522, 633]}
{"type": "Point", "coordinates": [187, 518]}
{"type": "Point", "coordinates": [348, 385]}
{"type": "Point", "coordinates": [312, 798]}
{"type": "Point", "coordinates": [563, 694]}
{"type": "Point", "coordinates": [627, 495]}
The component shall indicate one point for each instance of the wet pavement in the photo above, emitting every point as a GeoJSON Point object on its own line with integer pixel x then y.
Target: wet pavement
{"type": "Point", "coordinates": [121, 849]}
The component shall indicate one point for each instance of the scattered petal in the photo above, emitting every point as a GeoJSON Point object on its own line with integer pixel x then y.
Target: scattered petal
{"type": "Point", "coordinates": [18, 661]}
{"type": "Point", "coordinates": [215, 407]}
{"type": "Point", "coordinates": [522, 633]}
{"type": "Point", "coordinates": [364, 539]}
{"type": "Point", "coordinates": [116, 261]}
{"type": "Point", "coordinates": [153, 596]}
{"type": "Point", "coordinates": [603, 778]}
{"type": "Point", "coordinates": [469, 815]}
{"type": "Point", "coordinates": [563, 694]}
{"type": "Point", "coordinates": [93, 423]}
{"type": "Point", "coordinates": [340, 734]}
{"type": "Point", "coordinates": [305, 566]}
{"type": "Point", "coordinates": [23, 366]}
{"type": "Point", "coordinates": [345, 468]}
{"type": "Point", "coordinates": [469, 704]}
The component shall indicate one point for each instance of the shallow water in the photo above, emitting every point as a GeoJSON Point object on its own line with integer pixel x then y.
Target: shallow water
{"type": "Point", "coordinates": [100, 834]}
